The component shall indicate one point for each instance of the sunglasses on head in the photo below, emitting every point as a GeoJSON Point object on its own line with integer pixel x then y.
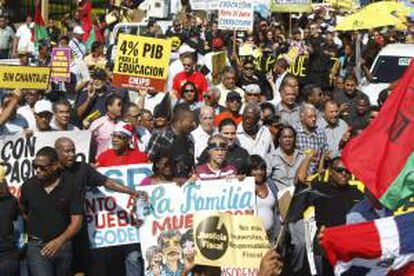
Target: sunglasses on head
{"type": "Point", "coordinates": [218, 146]}
{"type": "Point", "coordinates": [341, 170]}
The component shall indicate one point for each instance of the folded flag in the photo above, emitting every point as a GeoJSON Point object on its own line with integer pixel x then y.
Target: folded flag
{"type": "Point", "coordinates": [386, 244]}
{"type": "Point", "coordinates": [382, 156]}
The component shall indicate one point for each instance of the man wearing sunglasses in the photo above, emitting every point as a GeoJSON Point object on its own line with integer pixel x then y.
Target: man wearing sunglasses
{"type": "Point", "coordinates": [332, 201]}
{"type": "Point", "coordinates": [53, 209]}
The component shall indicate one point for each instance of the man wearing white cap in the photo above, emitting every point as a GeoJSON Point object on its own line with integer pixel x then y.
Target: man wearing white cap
{"type": "Point", "coordinates": [43, 114]}
{"type": "Point", "coordinates": [76, 45]}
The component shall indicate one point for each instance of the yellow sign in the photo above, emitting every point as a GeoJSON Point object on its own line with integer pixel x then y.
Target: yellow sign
{"type": "Point", "coordinates": [143, 57]}
{"type": "Point", "coordinates": [227, 240]}
{"type": "Point", "coordinates": [24, 77]}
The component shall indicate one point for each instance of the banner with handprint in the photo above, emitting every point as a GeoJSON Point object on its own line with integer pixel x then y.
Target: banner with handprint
{"type": "Point", "coordinates": [167, 241]}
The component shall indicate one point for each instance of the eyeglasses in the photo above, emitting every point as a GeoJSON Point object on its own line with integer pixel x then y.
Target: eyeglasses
{"type": "Point", "coordinates": [218, 146]}
{"type": "Point", "coordinates": [44, 115]}
{"type": "Point", "coordinates": [188, 90]}
{"type": "Point", "coordinates": [341, 170]}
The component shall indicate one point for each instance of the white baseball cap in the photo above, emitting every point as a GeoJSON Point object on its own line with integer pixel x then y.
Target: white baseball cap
{"type": "Point", "coordinates": [78, 30]}
{"type": "Point", "coordinates": [185, 49]}
{"type": "Point", "coordinates": [43, 106]}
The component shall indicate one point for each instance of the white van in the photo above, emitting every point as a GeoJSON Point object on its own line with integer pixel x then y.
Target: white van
{"type": "Point", "coordinates": [388, 66]}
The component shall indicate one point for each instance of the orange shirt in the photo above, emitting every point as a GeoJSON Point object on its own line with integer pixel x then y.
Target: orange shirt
{"type": "Point", "coordinates": [227, 115]}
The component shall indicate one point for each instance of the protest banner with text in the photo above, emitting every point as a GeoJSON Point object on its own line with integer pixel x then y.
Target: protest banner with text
{"type": "Point", "coordinates": [141, 62]}
{"type": "Point", "coordinates": [226, 240]}
{"type": "Point", "coordinates": [235, 15]}
{"type": "Point", "coordinates": [111, 216]}
{"type": "Point", "coordinates": [60, 62]}
{"type": "Point", "coordinates": [291, 6]}
{"type": "Point", "coordinates": [204, 5]}
{"type": "Point", "coordinates": [24, 77]}
{"type": "Point", "coordinates": [168, 219]}
{"type": "Point", "coordinates": [18, 153]}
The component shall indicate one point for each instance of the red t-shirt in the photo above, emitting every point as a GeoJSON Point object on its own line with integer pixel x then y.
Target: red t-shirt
{"type": "Point", "coordinates": [109, 158]}
{"type": "Point", "coordinates": [196, 77]}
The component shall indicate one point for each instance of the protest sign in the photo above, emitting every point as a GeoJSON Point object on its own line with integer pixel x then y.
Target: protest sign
{"type": "Point", "coordinates": [204, 5]}
{"type": "Point", "coordinates": [219, 60]}
{"type": "Point", "coordinates": [168, 220]}
{"type": "Point", "coordinates": [235, 15]}
{"type": "Point", "coordinates": [60, 62]}
{"type": "Point", "coordinates": [227, 240]}
{"type": "Point", "coordinates": [291, 6]}
{"type": "Point", "coordinates": [141, 62]}
{"type": "Point", "coordinates": [24, 77]}
{"type": "Point", "coordinates": [18, 153]}
{"type": "Point", "coordinates": [110, 215]}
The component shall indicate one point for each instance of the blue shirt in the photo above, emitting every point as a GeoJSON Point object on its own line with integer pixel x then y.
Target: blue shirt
{"type": "Point", "coordinates": [14, 125]}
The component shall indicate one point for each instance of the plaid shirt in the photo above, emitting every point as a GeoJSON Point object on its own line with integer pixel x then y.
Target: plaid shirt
{"type": "Point", "coordinates": [316, 140]}
{"type": "Point", "coordinates": [182, 149]}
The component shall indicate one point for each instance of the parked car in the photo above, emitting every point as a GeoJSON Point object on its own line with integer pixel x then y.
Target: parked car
{"type": "Point", "coordinates": [388, 66]}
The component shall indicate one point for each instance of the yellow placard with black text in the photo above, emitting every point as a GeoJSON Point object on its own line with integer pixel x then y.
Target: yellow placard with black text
{"type": "Point", "coordinates": [226, 240]}
{"type": "Point", "coordinates": [24, 77]}
{"type": "Point", "coordinates": [141, 62]}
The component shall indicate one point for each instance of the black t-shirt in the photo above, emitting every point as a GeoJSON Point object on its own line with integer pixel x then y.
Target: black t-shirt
{"type": "Point", "coordinates": [331, 210]}
{"type": "Point", "coordinates": [49, 213]}
{"type": "Point", "coordinates": [8, 213]}
{"type": "Point", "coordinates": [82, 175]}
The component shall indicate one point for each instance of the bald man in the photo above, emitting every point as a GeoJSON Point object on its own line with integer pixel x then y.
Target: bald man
{"type": "Point", "coordinates": [204, 130]}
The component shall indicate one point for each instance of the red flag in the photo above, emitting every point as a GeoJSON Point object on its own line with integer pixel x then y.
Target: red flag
{"type": "Point", "coordinates": [381, 156]}
{"type": "Point", "coordinates": [39, 31]}
{"type": "Point", "coordinates": [86, 18]}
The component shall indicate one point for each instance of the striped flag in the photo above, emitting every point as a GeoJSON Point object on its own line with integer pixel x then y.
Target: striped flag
{"type": "Point", "coordinates": [39, 31]}
{"type": "Point", "coordinates": [386, 244]}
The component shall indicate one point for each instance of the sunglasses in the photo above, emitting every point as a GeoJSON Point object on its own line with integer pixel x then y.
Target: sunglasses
{"type": "Point", "coordinates": [41, 167]}
{"type": "Point", "coordinates": [341, 170]}
{"type": "Point", "coordinates": [218, 146]}
{"type": "Point", "coordinates": [188, 90]}
{"type": "Point", "coordinates": [249, 68]}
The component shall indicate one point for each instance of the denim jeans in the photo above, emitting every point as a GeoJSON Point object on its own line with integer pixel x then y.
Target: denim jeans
{"type": "Point", "coordinates": [59, 265]}
{"type": "Point", "coordinates": [134, 265]}
{"type": "Point", "coordinates": [9, 266]}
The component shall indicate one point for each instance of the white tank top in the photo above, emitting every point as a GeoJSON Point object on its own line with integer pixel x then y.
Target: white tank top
{"type": "Point", "coordinates": [265, 209]}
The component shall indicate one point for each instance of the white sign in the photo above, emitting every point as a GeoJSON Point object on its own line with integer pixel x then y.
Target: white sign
{"type": "Point", "coordinates": [236, 15]}
{"type": "Point", "coordinates": [18, 153]}
{"type": "Point", "coordinates": [206, 5]}
{"type": "Point", "coordinates": [168, 219]}
{"type": "Point", "coordinates": [110, 215]}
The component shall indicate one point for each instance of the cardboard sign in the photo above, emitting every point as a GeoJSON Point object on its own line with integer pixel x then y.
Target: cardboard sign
{"type": "Point", "coordinates": [204, 5]}
{"type": "Point", "coordinates": [236, 15]}
{"type": "Point", "coordinates": [168, 220]}
{"type": "Point", "coordinates": [219, 65]}
{"type": "Point", "coordinates": [60, 64]}
{"type": "Point", "coordinates": [141, 62]}
{"type": "Point", "coordinates": [24, 77]}
{"type": "Point", "coordinates": [226, 240]}
{"type": "Point", "coordinates": [18, 153]}
{"type": "Point", "coordinates": [110, 215]}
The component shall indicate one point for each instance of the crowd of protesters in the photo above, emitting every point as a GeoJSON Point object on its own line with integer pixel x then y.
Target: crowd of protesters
{"type": "Point", "coordinates": [282, 121]}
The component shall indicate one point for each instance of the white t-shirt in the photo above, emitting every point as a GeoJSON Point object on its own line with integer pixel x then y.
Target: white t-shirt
{"type": "Point", "coordinates": [25, 39]}
{"type": "Point", "coordinates": [265, 209]}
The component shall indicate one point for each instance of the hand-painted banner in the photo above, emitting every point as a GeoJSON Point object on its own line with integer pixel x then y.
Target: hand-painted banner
{"type": "Point", "coordinates": [110, 215]}
{"type": "Point", "coordinates": [141, 62]}
{"type": "Point", "coordinates": [168, 220]}
{"type": "Point", "coordinates": [227, 240]}
{"type": "Point", "coordinates": [236, 15]}
{"type": "Point", "coordinates": [18, 152]}
{"type": "Point", "coordinates": [60, 60]}
{"type": "Point", "coordinates": [24, 77]}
